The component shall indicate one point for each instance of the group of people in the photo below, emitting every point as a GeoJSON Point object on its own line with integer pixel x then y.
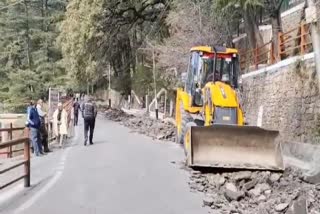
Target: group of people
{"type": "Point", "coordinates": [36, 121]}
{"type": "Point", "coordinates": [38, 132]}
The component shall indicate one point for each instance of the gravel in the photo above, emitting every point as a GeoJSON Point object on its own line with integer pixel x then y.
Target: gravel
{"type": "Point", "coordinates": [262, 192]}
{"type": "Point", "coordinates": [157, 129]}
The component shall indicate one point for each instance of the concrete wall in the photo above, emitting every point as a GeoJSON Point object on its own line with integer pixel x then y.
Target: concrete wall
{"type": "Point", "coordinates": [289, 94]}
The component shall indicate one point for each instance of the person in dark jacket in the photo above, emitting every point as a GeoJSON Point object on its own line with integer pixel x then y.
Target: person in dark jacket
{"type": "Point", "coordinates": [76, 107]}
{"type": "Point", "coordinates": [43, 129]}
{"type": "Point", "coordinates": [89, 114]}
{"type": "Point", "coordinates": [34, 124]}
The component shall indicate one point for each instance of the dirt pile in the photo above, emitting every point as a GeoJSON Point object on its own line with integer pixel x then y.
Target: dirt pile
{"type": "Point", "coordinates": [117, 115]}
{"type": "Point", "coordinates": [257, 192]}
{"type": "Point", "coordinates": [143, 124]}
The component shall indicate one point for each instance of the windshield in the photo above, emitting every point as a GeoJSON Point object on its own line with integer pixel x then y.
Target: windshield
{"type": "Point", "coordinates": [224, 65]}
{"type": "Point", "coordinates": [207, 70]}
{"type": "Point", "coordinates": [223, 71]}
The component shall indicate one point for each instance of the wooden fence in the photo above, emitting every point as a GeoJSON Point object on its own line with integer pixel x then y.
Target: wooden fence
{"type": "Point", "coordinates": [26, 156]}
{"type": "Point", "coordinates": [9, 152]}
{"type": "Point", "coordinates": [10, 146]}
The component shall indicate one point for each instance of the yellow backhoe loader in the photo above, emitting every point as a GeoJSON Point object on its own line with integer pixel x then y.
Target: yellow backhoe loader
{"type": "Point", "coordinates": [210, 121]}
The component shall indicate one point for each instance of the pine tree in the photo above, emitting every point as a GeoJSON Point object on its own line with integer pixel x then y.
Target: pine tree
{"type": "Point", "coordinates": [29, 58]}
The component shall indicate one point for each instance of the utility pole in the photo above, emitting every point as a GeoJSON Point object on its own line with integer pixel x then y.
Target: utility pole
{"type": "Point", "coordinates": [311, 17]}
{"type": "Point", "coordinates": [154, 82]}
{"type": "Point", "coordinates": [109, 88]}
{"type": "Point", "coordinates": [200, 18]}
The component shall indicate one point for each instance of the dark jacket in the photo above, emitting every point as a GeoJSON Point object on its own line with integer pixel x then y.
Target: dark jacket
{"type": "Point", "coordinates": [76, 107]}
{"type": "Point", "coordinates": [34, 118]}
{"type": "Point", "coordinates": [89, 110]}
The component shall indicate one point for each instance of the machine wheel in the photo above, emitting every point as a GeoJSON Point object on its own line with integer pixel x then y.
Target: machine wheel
{"type": "Point", "coordinates": [187, 137]}
{"type": "Point", "coordinates": [186, 117]}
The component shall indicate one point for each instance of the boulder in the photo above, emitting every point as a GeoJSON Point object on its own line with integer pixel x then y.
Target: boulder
{"type": "Point", "coordinates": [281, 207]}
{"type": "Point", "coordinates": [298, 206]}
{"type": "Point", "coordinates": [243, 175]}
{"type": "Point", "coordinates": [208, 201]}
{"type": "Point", "coordinates": [231, 192]}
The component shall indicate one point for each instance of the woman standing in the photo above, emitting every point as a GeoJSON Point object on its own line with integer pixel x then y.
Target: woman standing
{"type": "Point", "coordinates": [60, 126]}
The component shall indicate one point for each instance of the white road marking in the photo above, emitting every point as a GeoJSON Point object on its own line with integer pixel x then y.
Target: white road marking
{"type": "Point", "coordinates": [58, 173]}
{"type": "Point", "coordinates": [42, 191]}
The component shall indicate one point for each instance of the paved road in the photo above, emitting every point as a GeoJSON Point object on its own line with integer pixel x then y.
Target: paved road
{"type": "Point", "coordinates": [122, 173]}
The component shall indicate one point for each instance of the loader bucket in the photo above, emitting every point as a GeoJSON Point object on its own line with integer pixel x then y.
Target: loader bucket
{"type": "Point", "coordinates": [237, 147]}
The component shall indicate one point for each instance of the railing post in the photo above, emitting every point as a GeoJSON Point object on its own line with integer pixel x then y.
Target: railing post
{"type": "Point", "coordinates": [27, 163]}
{"type": "Point", "coordinates": [279, 46]}
{"type": "Point", "coordinates": [272, 53]}
{"type": "Point", "coordinates": [9, 155]}
{"type": "Point", "coordinates": [302, 42]}
{"type": "Point", "coordinates": [256, 60]}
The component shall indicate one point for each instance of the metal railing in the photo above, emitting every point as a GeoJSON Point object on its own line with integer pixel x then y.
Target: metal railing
{"type": "Point", "coordinates": [294, 42]}
{"type": "Point", "coordinates": [257, 56]}
{"type": "Point", "coordinates": [26, 156]}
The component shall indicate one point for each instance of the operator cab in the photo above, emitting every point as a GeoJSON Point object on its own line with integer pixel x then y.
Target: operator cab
{"type": "Point", "coordinates": [210, 64]}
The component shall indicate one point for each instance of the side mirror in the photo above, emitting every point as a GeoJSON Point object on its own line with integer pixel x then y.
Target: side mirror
{"type": "Point", "coordinates": [184, 77]}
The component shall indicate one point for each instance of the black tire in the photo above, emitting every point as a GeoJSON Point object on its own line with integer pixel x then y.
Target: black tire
{"type": "Point", "coordinates": [186, 118]}
{"type": "Point", "coordinates": [184, 132]}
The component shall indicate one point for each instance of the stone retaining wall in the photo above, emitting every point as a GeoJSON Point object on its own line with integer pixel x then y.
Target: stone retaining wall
{"type": "Point", "coordinates": [290, 99]}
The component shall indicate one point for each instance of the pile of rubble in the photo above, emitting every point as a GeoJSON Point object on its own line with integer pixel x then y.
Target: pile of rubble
{"type": "Point", "coordinates": [257, 192]}
{"type": "Point", "coordinates": [117, 115]}
{"type": "Point", "coordinates": [157, 129]}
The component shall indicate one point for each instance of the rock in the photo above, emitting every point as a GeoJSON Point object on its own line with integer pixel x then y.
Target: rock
{"type": "Point", "coordinates": [298, 207]}
{"type": "Point", "coordinates": [160, 136]}
{"type": "Point", "coordinates": [312, 179]}
{"type": "Point", "coordinates": [262, 198]}
{"type": "Point", "coordinates": [199, 180]}
{"type": "Point", "coordinates": [231, 192]}
{"type": "Point", "coordinates": [249, 185]}
{"type": "Point", "coordinates": [200, 188]}
{"type": "Point", "coordinates": [281, 207]}
{"type": "Point", "coordinates": [263, 187]}
{"type": "Point", "coordinates": [255, 192]}
{"type": "Point", "coordinates": [221, 181]}
{"type": "Point", "coordinates": [208, 201]}
{"type": "Point", "coordinates": [267, 192]}
{"type": "Point", "coordinates": [243, 175]}
{"type": "Point", "coordinates": [275, 177]}
{"type": "Point", "coordinates": [196, 173]}
{"type": "Point", "coordinates": [231, 187]}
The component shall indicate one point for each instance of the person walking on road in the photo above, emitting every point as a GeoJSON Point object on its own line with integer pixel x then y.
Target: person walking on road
{"type": "Point", "coordinates": [89, 114]}
{"type": "Point", "coordinates": [60, 124]}
{"type": "Point", "coordinates": [34, 123]}
{"type": "Point", "coordinates": [43, 129]}
{"type": "Point", "coordinates": [76, 107]}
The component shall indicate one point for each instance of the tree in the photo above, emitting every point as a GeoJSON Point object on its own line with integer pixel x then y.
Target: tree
{"type": "Point", "coordinates": [193, 23]}
{"type": "Point", "coordinates": [109, 33]}
{"type": "Point", "coordinates": [273, 9]}
{"type": "Point", "coordinates": [248, 9]}
{"type": "Point", "coordinates": [29, 60]}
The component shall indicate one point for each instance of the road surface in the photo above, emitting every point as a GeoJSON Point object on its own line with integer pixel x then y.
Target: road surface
{"type": "Point", "coordinates": [122, 173]}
